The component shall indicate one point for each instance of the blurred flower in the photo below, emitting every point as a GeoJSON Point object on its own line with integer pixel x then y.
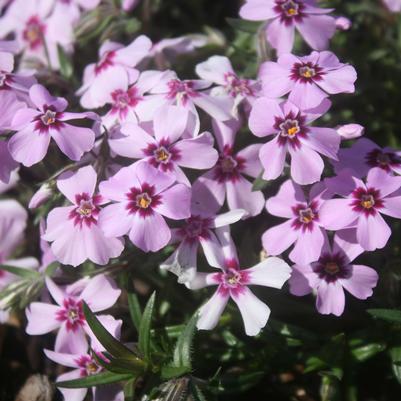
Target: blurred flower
{"type": "Point", "coordinates": [36, 126]}
{"type": "Point", "coordinates": [365, 154]}
{"type": "Point", "coordinates": [163, 147]}
{"type": "Point", "coordinates": [332, 273]}
{"type": "Point", "coordinates": [40, 196]}
{"type": "Point", "coordinates": [294, 135]}
{"type": "Point", "coordinates": [308, 79]}
{"type": "Point", "coordinates": [226, 179]}
{"type": "Point", "coordinates": [233, 283]}
{"type": "Point", "coordinates": [362, 204]}
{"type": "Point", "coordinates": [393, 5]}
{"type": "Point", "coordinates": [73, 230]}
{"type": "Point", "coordinates": [303, 226]}
{"type": "Point", "coordinates": [67, 316]}
{"type": "Point", "coordinates": [350, 131]}
{"type": "Point", "coordinates": [284, 16]}
{"type": "Point", "coordinates": [343, 23]}
{"type": "Point", "coordinates": [141, 196]}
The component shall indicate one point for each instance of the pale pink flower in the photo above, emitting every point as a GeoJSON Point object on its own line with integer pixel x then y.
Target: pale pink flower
{"type": "Point", "coordinates": [334, 272]}
{"type": "Point", "coordinates": [113, 57]}
{"type": "Point", "coordinates": [67, 316]}
{"type": "Point", "coordinates": [73, 230]}
{"type": "Point", "coordinates": [141, 196]}
{"type": "Point", "coordinates": [226, 179]}
{"type": "Point", "coordinates": [35, 128]}
{"type": "Point", "coordinates": [233, 282]}
{"type": "Point", "coordinates": [163, 146]}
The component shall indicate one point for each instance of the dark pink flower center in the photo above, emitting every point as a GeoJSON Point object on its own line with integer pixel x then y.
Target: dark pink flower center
{"type": "Point", "coordinates": [181, 91]}
{"type": "Point", "coordinates": [72, 314]}
{"type": "Point", "coordinates": [49, 119]}
{"type": "Point", "coordinates": [306, 72]}
{"type": "Point", "coordinates": [305, 216]}
{"type": "Point", "coordinates": [289, 10]}
{"type": "Point", "coordinates": [331, 267]}
{"type": "Point", "coordinates": [366, 201]}
{"type": "Point", "coordinates": [88, 366]}
{"type": "Point", "coordinates": [86, 211]}
{"type": "Point", "coordinates": [291, 129]}
{"type": "Point", "coordinates": [143, 200]}
{"type": "Point", "coordinates": [105, 62]}
{"type": "Point", "coordinates": [34, 32]}
{"type": "Point", "coordinates": [232, 279]}
{"type": "Point", "coordinates": [162, 155]}
{"type": "Point", "coordinates": [195, 228]}
{"type": "Point", "coordinates": [237, 86]}
{"type": "Point", "coordinates": [229, 166]}
{"type": "Point", "coordinates": [124, 100]}
{"type": "Point", "coordinates": [384, 160]}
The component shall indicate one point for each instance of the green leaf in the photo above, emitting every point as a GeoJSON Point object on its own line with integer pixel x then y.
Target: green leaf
{"type": "Point", "coordinates": [133, 366]}
{"type": "Point", "coordinates": [367, 351]}
{"type": "Point", "coordinates": [395, 354]}
{"type": "Point", "coordinates": [134, 309]}
{"type": "Point", "coordinates": [182, 350]}
{"type": "Point", "coordinates": [391, 315]}
{"type": "Point", "coordinates": [113, 346]}
{"type": "Point", "coordinates": [259, 184]}
{"type": "Point", "coordinates": [21, 272]}
{"type": "Point", "coordinates": [144, 328]}
{"type": "Point", "coordinates": [66, 67]}
{"type": "Point", "coordinates": [243, 25]}
{"type": "Point", "coordinates": [170, 372]}
{"type": "Point", "coordinates": [95, 380]}
{"type": "Point", "coordinates": [196, 392]}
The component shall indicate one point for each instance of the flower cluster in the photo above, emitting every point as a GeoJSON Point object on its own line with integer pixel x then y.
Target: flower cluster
{"type": "Point", "coordinates": [157, 160]}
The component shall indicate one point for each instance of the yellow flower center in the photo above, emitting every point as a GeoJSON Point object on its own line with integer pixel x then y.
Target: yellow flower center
{"type": "Point", "coordinates": [143, 201]}
{"type": "Point", "coordinates": [306, 215]}
{"type": "Point", "coordinates": [307, 72]}
{"type": "Point", "coordinates": [162, 155]}
{"type": "Point", "coordinates": [49, 117]}
{"type": "Point", "coordinates": [367, 201]}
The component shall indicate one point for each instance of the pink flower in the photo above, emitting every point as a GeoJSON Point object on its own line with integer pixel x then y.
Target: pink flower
{"type": "Point", "coordinates": [74, 230]}
{"type": "Point", "coordinates": [84, 364]}
{"type": "Point", "coordinates": [286, 15]}
{"type": "Point", "coordinates": [226, 179]}
{"type": "Point", "coordinates": [303, 227]}
{"type": "Point", "coordinates": [113, 58]}
{"type": "Point", "coordinates": [290, 125]}
{"type": "Point", "coordinates": [343, 23]}
{"type": "Point", "coordinates": [308, 79]}
{"type": "Point", "coordinates": [163, 148]}
{"type": "Point", "coordinates": [67, 316]}
{"type": "Point", "coordinates": [362, 206]}
{"type": "Point", "coordinates": [142, 195]}
{"type": "Point", "coordinates": [233, 282]}
{"type": "Point", "coordinates": [129, 5]}
{"type": "Point", "coordinates": [189, 94]}
{"type": "Point", "coordinates": [350, 131]}
{"type": "Point", "coordinates": [34, 30]}
{"type": "Point", "coordinates": [218, 69]}
{"type": "Point", "coordinates": [393, 5]}
{"type": "Point", "coordinates": [332, 273]}
{"type": "Point", "coordinates": [126, 93]}
{"type": "Point", "coordinates": [365, 154]}
{"type": "Point", "coordinates": [36, 126]}
{"type": "Point", "coordinates": [197, 230]}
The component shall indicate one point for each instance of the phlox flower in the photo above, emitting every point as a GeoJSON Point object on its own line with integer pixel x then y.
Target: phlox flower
{"type": "Point", "coordinates": [284, 16]}
{"type": "Point", "coordinates": [393, 5]}
{"type": "Point", "coordinates": [293, 135]}
{"type": "Point", "coordinates": [197, 230]}
{"type": "Point", "coordinates": [163, 146]}
{"type": "Point", "coordinates": [126, 94]}
{"type": "Point", "coordinates": [226, 179]}
{"type": "Point", "coordinates": [113, 58]}
{"type": "Point", "coordinates": [362, 206]}
{"type": "Point", "coordinates": [129, 5]}
{"type": "Point", "coordinates": [350, 131]}
{"type": "Point", "coordinates": [35, 32]}
{"type": "Point", "coordinates": [189, 94]}
{"type": "Point", "coordinates": [308, 79]}
{"type": "Point", "coordinates": [48, 120]}
{"type": "Point", "coordinates": [67, 316]}
{"type": "Point", "coordinates": [303, 227]}
{"type": "Point", "coordinates": [141, 196]}
{"type": "Point", "coordinates": [364, 154]}
{"type": "Point", "coordinates": [332, 273]}
{"type": "Point", "coordinates": [343, 23]}
{"type": "Point", "coordinates": [233, 282]}
{"type": "Point", "coordinates": [83, 364]}
{"type": "Point", "coordinates": [73, 230]}
{"type": "Point", "coordinates": [218, 69]}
